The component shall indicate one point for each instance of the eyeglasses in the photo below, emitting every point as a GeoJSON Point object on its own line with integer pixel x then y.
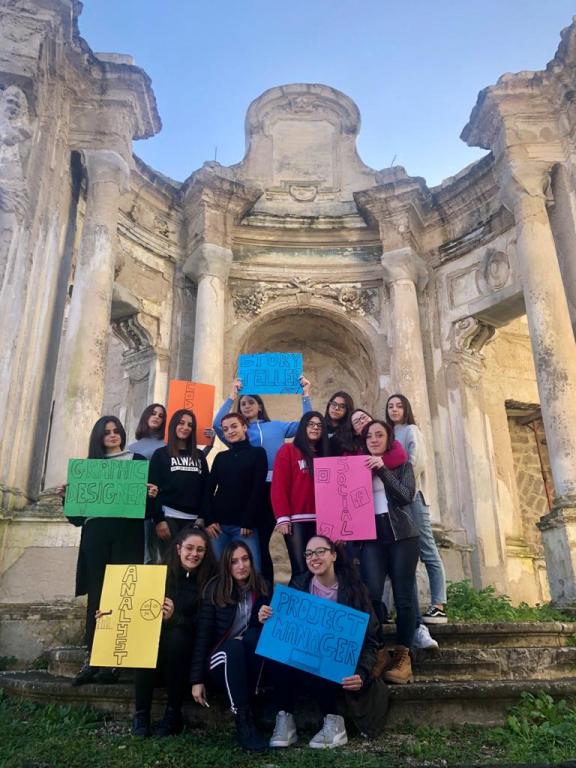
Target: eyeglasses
{"type": "Point", "coordinates": [314, 425]}
{"type": "Point", "coordinates": [337, 406]}
{"type": "Point", "coordinates": [320, 552]}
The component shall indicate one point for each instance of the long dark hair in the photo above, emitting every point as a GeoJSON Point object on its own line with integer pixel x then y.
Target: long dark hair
{"type": "Point", "coordinates": [143, 430]}
{"type": "Point", "coordinates": [408, 415]}
{"type": "Point", "coordinates": [389, 431]}
{"type": "Point", "coordinates": [207, 568]}
{"type": "Point", "coordinates": [96, 443]}
{"type": "Point", "coordinates": [303, 444]}
{"type": "Point", "coordinates": [226, 591]}
{"type": "Point", "coordinates": [348, 401]}
{"type": "Point", "coordinates": [262, 414]}
{"type": "Point", "coordinates": [346, 442]}
{"type": "Point", "coordinates": [191, 449]}
{"type": "Point", "coordinates": [350, 585]}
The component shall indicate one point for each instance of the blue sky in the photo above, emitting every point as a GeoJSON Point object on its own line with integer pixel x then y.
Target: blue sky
{"type": "Point", "coordinates": [414, 68]}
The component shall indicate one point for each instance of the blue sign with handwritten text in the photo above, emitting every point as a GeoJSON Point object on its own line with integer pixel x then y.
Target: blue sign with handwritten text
{"type": "Point", "coordinates": [270, 373]}
{"type": "Point", "coordinates": [310, 633]}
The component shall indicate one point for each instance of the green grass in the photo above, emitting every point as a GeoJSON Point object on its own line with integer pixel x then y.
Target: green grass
{"type": "Point", "coordinates": [34, 736]}
{"type": "Point", "coordinates": [465, 603]}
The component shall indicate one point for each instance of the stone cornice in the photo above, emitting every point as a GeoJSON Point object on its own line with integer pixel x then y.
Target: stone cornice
{"type": "Point", "coordinates": [207, 188]}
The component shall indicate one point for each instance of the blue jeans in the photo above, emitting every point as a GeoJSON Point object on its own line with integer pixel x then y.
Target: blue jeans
{"type": "Point", "coordinates": [232, 533]}
{"type": "Point", "coordinates": [429, 553]}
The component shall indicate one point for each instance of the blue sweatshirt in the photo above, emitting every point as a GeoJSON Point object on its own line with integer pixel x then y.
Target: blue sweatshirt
{"type": "Point", "coordinates": [269, 435]}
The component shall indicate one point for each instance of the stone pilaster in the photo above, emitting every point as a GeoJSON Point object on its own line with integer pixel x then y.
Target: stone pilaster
{"type": "Point", "coordinates": [86, 342]}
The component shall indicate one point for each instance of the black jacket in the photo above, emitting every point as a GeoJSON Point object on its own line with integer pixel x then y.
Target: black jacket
{"type": "Point", "coordinates": [213, 628]}
{"type": "Point", "coordinates": [400, 487]}
{"type": "Point", "coordinates": [182, 483]}
{"type": "Point", "coordinates": [372, 639]}
{"type": "Point", "coordinates": [183, 591]}
{"type": "Point", "coordinates": [237, 485]}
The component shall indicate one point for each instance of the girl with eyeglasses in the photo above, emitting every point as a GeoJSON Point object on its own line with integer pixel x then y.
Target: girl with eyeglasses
{"type": "Point", "coordinates": [293, 487]}
{"type": "Point", "coordinates": [191, 565]}
{"type": "Point", "coordinates": [329, 575]}
{"type": "Point", "coordinates": [265, 433]}
{"type": "Point", "coordinates": [338, 410]}
{"type": "Point", "coordinates": [104, 540]}
{"type": "Point", "coordinates": [226, 639]}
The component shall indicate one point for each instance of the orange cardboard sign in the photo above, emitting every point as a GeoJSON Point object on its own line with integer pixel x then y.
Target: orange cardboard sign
{"type": "Point", "coordinates": [198, 398]}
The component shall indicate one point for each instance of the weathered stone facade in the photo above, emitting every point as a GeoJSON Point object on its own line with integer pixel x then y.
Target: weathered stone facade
{"type": "Point", "coordinates": [115, 279]}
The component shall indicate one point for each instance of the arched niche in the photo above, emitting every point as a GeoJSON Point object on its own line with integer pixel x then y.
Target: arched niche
{"type": "Point", "coordinates": [337, 354]}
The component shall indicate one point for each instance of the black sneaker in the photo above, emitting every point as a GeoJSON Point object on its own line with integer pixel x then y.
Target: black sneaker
{"type": "Point", "coordinates": [108, 675]}
{"type": "Point", "coordinates": [171, 724]}
{"type": "Point", "coordinates": [86, 675]}
{"type": "Point", "coordinates": [141, 723]}
{"type": "Point", "coordinates": [435, 615]}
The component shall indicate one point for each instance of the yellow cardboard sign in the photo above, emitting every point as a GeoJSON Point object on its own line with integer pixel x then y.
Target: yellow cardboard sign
{"type": "Point", "coordinates": [128, 632]}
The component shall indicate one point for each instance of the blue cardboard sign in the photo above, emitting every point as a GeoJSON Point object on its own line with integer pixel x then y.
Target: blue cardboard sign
{"type": "Point", "coordinates": [310, 633]}
{"type": "Point", "coordinates": [271, 373]}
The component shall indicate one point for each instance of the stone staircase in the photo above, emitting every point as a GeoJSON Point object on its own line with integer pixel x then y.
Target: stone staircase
{"type": "Point", "coordinates": [479, 672]}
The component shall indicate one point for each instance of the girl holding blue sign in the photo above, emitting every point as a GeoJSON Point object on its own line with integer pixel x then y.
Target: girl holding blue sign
{"type": "Point", "coordinates": [331, 576]}
{"type": "Point", "coordinates": [269, 434]}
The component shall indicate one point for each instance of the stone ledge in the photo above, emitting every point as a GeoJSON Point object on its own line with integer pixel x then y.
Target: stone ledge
{"type": "Point", "coordinates": [436, 704]}
{"type": "Point", "coordinates": [524, 634]}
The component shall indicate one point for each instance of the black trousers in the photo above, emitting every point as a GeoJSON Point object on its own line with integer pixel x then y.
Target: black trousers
{"type": "Point", "coordinates": [265, 527]}
{"type": "Point", "coordinates": [296, 544]}
{"type": "Point", "coordinates": [397, 559]}
{"type": "Point", "coordinates": [236, 668]}
{"type": "Point", "coordinates": [107, 541]}
{"type": "Point", "coordinates": [290, 682]}
{"type": "Point", "coordinates": [173, 667]}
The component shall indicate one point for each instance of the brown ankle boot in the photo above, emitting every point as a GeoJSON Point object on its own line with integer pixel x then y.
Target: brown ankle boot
{"type": "Point", "coordinates": [400, 671]}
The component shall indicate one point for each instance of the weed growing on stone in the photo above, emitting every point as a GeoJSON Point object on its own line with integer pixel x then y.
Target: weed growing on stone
{"type": "Point", "coordinates": [465, 603]}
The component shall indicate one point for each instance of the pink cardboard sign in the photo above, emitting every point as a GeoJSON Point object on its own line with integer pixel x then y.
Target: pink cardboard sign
{"type": "Point", "coordinates": [344, 498]}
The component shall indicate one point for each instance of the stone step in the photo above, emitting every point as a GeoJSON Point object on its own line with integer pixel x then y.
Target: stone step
{"type": "Point", "coordinates": [29, 630]}
{"type": "Point", "coordinates": [447, 664]}
{"type": "Point", "coordinates": [527, 634]}
{"type": "Point", "coordinates": [435, 704]}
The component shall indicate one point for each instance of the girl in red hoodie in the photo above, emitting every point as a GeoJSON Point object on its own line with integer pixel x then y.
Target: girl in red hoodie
{"type": "Point", "coordinates": [292, 492]}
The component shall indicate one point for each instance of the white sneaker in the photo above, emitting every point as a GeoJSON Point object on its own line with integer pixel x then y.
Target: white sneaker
{"type": "Point", "coordinates": [422, 639]}
{"type": "Point", "coordinates": [284, 731]}
{"type": "Point", "coordinates": [332, 734]}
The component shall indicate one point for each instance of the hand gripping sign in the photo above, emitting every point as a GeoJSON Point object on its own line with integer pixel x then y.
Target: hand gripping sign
{"type": "Point", "coordinates": [128, 630]}
{"type": "Point", "coordinates": [344, 499]}
{"type": "Point", "coordinates": [313, 634]}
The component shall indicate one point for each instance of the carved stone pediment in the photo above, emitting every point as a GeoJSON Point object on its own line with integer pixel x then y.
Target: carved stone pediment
{"type": "Point", "coordinates": [249, 298]}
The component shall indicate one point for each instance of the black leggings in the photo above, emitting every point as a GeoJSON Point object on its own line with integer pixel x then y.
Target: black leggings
{"type": "Point", "coordinates": [114, 541]}
{"type": "Point", "coordinates": [174, 656]}
{"type": "Point", "coordinates": [296, 543]}
{"type": "Point", "coordinates": [265, 527]}
{"type": "Point", "coordinates": [384, 556]}
{"type": "Point", "coordinates": [236, 668]}
{"type": "Point", "coordinates": [289, 683]}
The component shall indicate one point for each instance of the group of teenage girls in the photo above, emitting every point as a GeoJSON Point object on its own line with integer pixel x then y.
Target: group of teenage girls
{"type": "Point", "coordinates": [213, 527]}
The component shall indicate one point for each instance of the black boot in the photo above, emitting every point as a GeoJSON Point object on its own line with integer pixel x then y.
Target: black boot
{"type": "Point", "coordinates": [247, 735]}
{"type": "Point", "coordinates": [141, 723]}
{"type": "Point", "coordinates": [86, 675]}
{"type": "Point", "coordinates": [171, 724]}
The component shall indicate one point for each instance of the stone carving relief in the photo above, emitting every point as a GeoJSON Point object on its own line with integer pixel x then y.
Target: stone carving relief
{"type": "Point", "coordinates": [494, 273]}
{"type": "Point", "coordinates": [15, 134]}
{"type": "Point", "coordinates": [355, 299]}
{"type": "Point", "coordinates": [470, 335]}
{"type": "Point", "coordinates": [132, 334]}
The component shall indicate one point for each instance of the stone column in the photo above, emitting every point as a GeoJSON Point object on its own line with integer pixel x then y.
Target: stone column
{"type": "Point", "coordinates": [554, 354]}
{"type": "Point", "coordinates": [209, 266]}
{"type": "Point", "coordinates": [79, 402]}
{"type": "Point", "coordinates": [405, 274]}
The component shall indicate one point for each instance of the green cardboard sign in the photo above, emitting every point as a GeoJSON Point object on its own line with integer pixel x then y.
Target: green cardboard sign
{"type": "Point", "coordinates": [106, 488]}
